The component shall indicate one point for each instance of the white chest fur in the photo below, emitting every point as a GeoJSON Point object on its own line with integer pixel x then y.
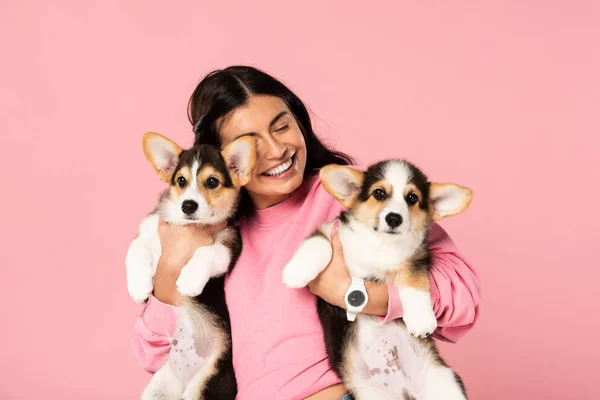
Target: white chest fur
{"type": "Point", "coordinates": [394, 361]}
{"type": "Point", "coordinates": [368, 253]}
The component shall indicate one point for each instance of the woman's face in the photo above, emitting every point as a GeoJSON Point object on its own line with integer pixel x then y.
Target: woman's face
{"type": "Point", "coordinates": [280, 147]}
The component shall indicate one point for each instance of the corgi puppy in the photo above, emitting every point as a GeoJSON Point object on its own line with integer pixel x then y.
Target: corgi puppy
{"type": "Point", "coordinates": [204, 185]}
{"type": "Point", "coordinates": [384, 234]}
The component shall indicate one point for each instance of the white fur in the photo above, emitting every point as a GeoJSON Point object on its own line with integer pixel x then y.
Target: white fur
{"type": "Point", "coordinates": [142, 259]}
{"type": "Point", "coordinates": [309, 261]}
{"type": "Point", "coordinates": [440, 384]}
{"type": "Point", "coordinates": [418, 311]}
{"type": "Point", "coordinates": [374, 342]}
{"type": "Point", "coordinates": [371, 253]}
{"type": "Point", "coordinates": [170, 209]}
{"type": "Point", "coordinates": [367, 252]}
{"type": "Point", "coordinates": [415, 374]}
{"type": "Point", "coordinates": [207, 262]}
{"type": "Point", "coordinates": [398, 174]}
{"type": "Point", "coordinates": [145, 251]}
{"type": "Point", "coordinates": [165, 384]}
{"type": "Point", "coordinates": [210, 341]}
{"type": "Point", "coordinates": [398, 207]}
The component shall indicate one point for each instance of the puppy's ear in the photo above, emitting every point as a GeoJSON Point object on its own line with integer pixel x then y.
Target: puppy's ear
{"type": "Point", "coordinates": [240, 158]}
{"type": "Point", "coordinates": [343, 183]}
{"type": "Point", "coordinates": [162, 153]}
{"type": "Point", "coordinates": [448, 199]}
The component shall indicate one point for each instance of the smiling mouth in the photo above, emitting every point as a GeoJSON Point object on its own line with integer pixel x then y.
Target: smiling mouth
{"type": "Point", "coordinates": [280, 169]}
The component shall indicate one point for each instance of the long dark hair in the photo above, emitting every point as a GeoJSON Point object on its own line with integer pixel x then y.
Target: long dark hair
{"type": "Point", "coordinates": [222, 91]}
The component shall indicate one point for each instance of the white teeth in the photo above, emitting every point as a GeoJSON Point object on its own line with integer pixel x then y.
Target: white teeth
{"type": "Point", "coordinates": [279, 170]}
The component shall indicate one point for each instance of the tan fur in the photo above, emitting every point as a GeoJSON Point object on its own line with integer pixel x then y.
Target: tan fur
{"type": "Point", "coordinates": [411, 188]}
{"type": "Point", "coordinates": [347, 200]}
{"type": "Point", "coordinates": [409, 277]}
{"type": "Point", "coordinates": [382, 184]}
{"type": "Point", "coordinates": [175, 191]}
{"type": "Point", "coordinates": [219, 198]}
{"type": "Point", "coordinates": [349, 355]}
{"type": "Point", "coordinates": [164, 175]}
{"type": "Point", "coordinates": [408, 274]}
{"type": "Point", "coordinates": [368, 212]}
{"type": "Point", "coordinates": [239, 179]}
{"type": "Point", "coordinates": [420, 219]}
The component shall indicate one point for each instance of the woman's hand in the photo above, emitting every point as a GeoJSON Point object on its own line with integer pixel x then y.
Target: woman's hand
{"type": "Point", "coordinates": [178, 243]}
{"type": "Point", "coordinates": [331, 284]}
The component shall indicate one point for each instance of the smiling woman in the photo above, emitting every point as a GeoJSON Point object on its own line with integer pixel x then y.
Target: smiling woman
{"type": "Point", "coordinates": [280, 168]}
{"type": "Point", "coordinates": [278, 345]}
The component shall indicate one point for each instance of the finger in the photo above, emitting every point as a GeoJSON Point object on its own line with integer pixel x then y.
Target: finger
{"type": "Point", "coordinates": [335, 237]}
{"type": "Point", "coordinates": [216, 228]}
{"type": "Point", "coordinates": [162, 225]}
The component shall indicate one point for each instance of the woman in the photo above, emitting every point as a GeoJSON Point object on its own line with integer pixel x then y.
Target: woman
{"type": "Point", "coordinates": [278, 348]}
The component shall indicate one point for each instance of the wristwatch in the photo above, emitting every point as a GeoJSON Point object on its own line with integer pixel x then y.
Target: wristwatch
{"type": "Point", "coordinates": [356, 298]}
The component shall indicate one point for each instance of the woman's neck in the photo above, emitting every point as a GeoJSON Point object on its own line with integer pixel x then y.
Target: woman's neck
{"type": "Point", "coordinates": [262, 202]}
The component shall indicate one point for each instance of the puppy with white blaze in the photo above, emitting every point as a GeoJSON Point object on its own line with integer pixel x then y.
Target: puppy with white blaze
{"type": "Point", "coordinates": [204, 186]}
{"type": "Point", "coordinates": [384, 234]}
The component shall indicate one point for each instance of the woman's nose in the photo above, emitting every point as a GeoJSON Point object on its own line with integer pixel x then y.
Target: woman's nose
{"type": "Point", "coordinates": [272, 149]}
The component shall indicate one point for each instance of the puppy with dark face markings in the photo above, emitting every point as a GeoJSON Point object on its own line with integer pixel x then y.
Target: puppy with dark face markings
{"type": "Point", "coordinates": [204, 186]}
{"type": "Point", "coordinates": [384, 234]}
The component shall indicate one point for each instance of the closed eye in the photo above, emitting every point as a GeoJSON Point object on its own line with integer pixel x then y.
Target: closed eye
{"type": "Point", "coordinates": [283, 128]}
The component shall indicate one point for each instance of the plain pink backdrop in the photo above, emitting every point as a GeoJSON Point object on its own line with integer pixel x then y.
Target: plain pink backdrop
{"type": "Point", "coordinates": [502, 97]}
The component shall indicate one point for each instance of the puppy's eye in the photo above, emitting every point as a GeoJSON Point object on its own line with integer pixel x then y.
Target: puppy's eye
{"type": "Point", "coordinates": [412, 199]}
{"type": "Point", "coordinates": [212, 183]}
{"type": "Point", "coordinates": [379, 194]}
{"type": "Point", "coordinates": [181, 181]}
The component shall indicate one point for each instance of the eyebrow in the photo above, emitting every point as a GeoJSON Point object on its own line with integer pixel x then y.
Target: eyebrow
{"type": "Point", "coordinates": [273, 122]}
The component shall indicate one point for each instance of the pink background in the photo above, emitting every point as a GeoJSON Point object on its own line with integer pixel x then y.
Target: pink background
{"type": "Point", "coordinates": [502, 97]}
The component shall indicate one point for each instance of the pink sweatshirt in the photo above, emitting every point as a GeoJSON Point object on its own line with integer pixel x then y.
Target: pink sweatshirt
{"type": "Point", "coordinates": [278, 347]}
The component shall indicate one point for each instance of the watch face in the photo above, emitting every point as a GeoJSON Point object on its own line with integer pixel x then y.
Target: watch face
{"type": "Point", "coordinates": [356, 298]}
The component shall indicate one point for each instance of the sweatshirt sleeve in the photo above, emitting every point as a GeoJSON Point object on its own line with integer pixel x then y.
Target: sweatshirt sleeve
{"type": "Point", "coordinates": [455, 289]}
{"type": "Point", "coordinates": [153, 329]}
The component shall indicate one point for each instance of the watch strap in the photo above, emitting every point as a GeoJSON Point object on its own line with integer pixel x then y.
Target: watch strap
{"type": "Point", "coordinates": [351, 316]}
{"type": "Point", "coordinates": [358, 282]}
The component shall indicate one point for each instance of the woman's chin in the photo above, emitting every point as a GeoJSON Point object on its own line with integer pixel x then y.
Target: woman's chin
{"type": "Point", "coordinates": [272, 192]}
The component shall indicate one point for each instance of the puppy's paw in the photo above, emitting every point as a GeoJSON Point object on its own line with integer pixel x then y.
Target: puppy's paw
{"type": "Point", "coordinates": [140, 288]}
{"type": "Point", "coordinates": [296, 275]}
{"type": "Point", "coordinates": [420, 321]}
{"type": "Point", "coordinates": [310, 260]}
{"type": "Point", "coordinates": [192, 279]}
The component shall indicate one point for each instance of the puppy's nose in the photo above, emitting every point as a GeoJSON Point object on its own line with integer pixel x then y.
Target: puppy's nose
{"type": "Point", "coordinates": [189, 207]}
{"type": "Point", "coordinates": [393, 220]}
